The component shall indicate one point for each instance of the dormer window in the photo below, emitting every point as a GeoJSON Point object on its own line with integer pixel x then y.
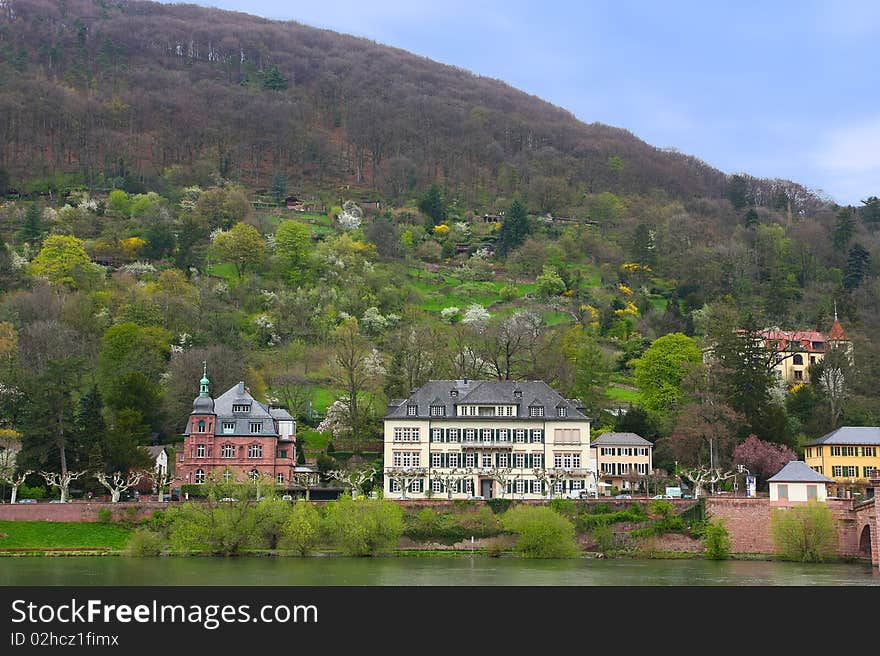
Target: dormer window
{"type": "Point", "coordinates": [517, 394]}
{"type": "Point", "coordinates": [241, 407]}
{"type": "Point", "coordinates": [256, 427]}
{"type": "Point", "coordinates": [412, 410]}
{"type": "Point", "coordinates": [438, 410]}
{"type": "Point", "coordinates": [536, 411]}
{"type": "Point", "coordinates": [560, 411]}
{"type": "Point", "coordinates": [453, 393]}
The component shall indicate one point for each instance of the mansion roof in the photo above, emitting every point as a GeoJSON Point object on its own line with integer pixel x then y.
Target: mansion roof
{"type": "Point", "coordinates": [852, 435]}
{"type": "Point", "coordinates": [237, 407]}
{"type": "Point", "coordinates": [448, 394]}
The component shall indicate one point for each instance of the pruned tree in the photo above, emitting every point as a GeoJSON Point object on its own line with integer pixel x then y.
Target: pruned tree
{"type": "Point", "coordinates": [405, 477]}
{"type": "Point", "coordinates": [703, 476]}
{"type": "Point", "coordinates": [451, 477]}
{"type": "Point", "coordinates": [305, 480]}
{"type": "Point", "coordinates": [354, 479]}
{"type": "Point", "coordinates": [62, 481]}
{"type": "Point", "coordinates": [551, 477]}
{"type": "Point", "coordinates": [117, 482]}
{"type": "Point", "coordinates": [162, 478]}
{"type": "Point", "coordinates": [502, 475]}
{"type": "Point", "coordinates": [8, 475]}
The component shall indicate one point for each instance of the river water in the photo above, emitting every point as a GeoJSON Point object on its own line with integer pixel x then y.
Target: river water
{"type": "Point", "coordinates": [421, 570]}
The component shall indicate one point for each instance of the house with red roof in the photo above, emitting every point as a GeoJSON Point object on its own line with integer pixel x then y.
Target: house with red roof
{"type": "Point", "coordinates": [797, 349]}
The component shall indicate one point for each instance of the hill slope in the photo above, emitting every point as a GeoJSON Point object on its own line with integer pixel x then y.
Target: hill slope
{"type": "Point", "coordinates": [131, 89]}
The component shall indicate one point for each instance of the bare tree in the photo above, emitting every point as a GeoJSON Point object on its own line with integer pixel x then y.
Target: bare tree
{"type": "Point", "coordinates": [62, 481]}
{"type": "Point", "coordinates": [451, 477]}
{"type": "Point", "coordinates": [702, 476]}
{"type": "Point", "coordinates": [119, 482]}
{"type": "Point", "coordinates": [353, 479]}
{"type": "Point", "coordinates": [405, 477]}
{"type": "Point", "coordinates": [502, 475]}
{"type": "Point", "coordinates": [551, 477]}
{"type": "Point", "coordinates": [508, 343]}
{"type": "Point", "coordinates": [15, 480]}
{"type": "Point", "coordinates": [306, 480]}
{"type": "Point", "coordinates": [162, 478]}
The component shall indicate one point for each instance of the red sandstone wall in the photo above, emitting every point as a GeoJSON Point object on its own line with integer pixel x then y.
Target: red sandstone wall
{"type": "Point", "coordinates": [77, 511]}
{"type": "Point", "coordinates": [748, 521]}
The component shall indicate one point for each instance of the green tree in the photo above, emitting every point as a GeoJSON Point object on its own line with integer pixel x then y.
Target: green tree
{"type": "Point", "coordinates": [222, 207]}
{"type": "Point", "coordinates": [751, 218]}
{"type": "Point", "coordinates": [804, 533]}
{"type": "Point", "coordinates": [514, 229]}
{"type": "Point", "coordinates": [643, 247]}
{"type": "Point", "coordinates": [661, 369]}
{"type": "Point", "coordinates": [433, 205]}
{"type": "Point", "coordinates": [591, 375]}
{"type": "Point", "coordinates": [541, 532]}
{"type": "Point", "coordinates": [550, 283]}
{"type": "Point", "coordinates": [32, 229]}
{"type": "Point", "coordinates": [242, 245]}
{"type": "Point", "coordinates": [63, 260]}
{"type": "Point", "coordinates": [365, 527]}
{"type": "Point", "coordinates": [128, 432]}
{"type": "Point", "coordinates": [271, 78]}
{"type": "Point", "coordinates": [716, 540]}
{"type": "Point", "coordinates": [279, 187]}
{"type": "Point", "coordinates": [845, 227]}
{"type": "Point", "coordinates": [738, 192]}
{"type": "Point", "coordinates": [293, 243]}
{"type": "Point", "coordinates": [302, 530]}
{"type": "Point", "coordinates": [119, 203]}
{"type": "Point", "coordinates": [857, 265]}
{"type": "Point", "coordinates": [870, 211]}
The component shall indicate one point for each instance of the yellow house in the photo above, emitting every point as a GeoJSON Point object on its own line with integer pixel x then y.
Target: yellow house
{"type": "Point", "coordinates": [847, 455]}
{"type": "Point", "coordinates": [796, 350]}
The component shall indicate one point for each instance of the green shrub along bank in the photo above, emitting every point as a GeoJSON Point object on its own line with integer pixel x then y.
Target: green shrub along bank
{"type": "Point", "coordinates": [541, 532]}
{"type": "Point", "coordinates": [804, 533]}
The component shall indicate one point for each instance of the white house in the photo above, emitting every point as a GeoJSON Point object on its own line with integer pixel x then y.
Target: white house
{"type": "Point", "coordinates": [798, 482]}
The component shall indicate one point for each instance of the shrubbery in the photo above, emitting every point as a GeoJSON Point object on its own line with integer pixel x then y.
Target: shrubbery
{"type": "Point", "coordinates": [804, 533]}
{"type": "Point", "coordinates": [541, 532]}
{"type": "Point", "coordinates": [364, 528]}
{"type": "Point", "coordinates": [145, 542]}
{"type": "Point", "coordinates": [302, 530]}
{"type": "Point", "coordinates": [716, 540]}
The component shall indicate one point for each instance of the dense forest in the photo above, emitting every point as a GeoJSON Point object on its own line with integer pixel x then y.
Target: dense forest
{"type": "Point", "coordinates": [336, 222]}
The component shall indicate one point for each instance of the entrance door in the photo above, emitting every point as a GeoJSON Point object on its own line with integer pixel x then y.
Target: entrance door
{"type": "Point", "coordinates": [486, 489]}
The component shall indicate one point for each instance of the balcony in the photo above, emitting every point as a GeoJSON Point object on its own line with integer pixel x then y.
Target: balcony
{"type": "Point", "coordinates": [485, 443]}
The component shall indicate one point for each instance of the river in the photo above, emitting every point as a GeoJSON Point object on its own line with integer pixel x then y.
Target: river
{"type": "Point", "coordinates": [421, 570]}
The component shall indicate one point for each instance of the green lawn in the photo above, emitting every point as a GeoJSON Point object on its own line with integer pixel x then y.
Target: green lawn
{"type": "Point", "coordinates": [62, 534]}
{"type": "Point", "coordinates": [624, 395]}
{"type": "Point", "coordinates": [225, 270]}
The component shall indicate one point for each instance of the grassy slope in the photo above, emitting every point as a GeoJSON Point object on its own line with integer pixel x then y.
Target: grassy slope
{"type": "Point", "coordinates": [62, 534]}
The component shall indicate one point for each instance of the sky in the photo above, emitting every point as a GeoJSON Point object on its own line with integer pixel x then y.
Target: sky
{"type": "Point", "coordinates": [782, 89]}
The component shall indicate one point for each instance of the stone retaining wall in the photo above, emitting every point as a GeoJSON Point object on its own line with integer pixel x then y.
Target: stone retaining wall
{"type": "Point", "coordinates": [77, 511]}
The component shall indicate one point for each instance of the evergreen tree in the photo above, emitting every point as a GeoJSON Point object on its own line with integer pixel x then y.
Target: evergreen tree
{"type": "Point", "coordinates": [856, 267]}
{"type": "Point", "coordinates": [271, 78]}
{"type": "Point", "coordinates": [738, 192]}
{"type": "Point", "coordinates": [279, 187]}
{"type": "Point", "coordinates": [751, 218]}
{"type": "Point", "coordinates": [870, 212]}
{"type": "Point", "coordinates": [845, 227]}
{"type": "Point", "coordinates": [433, 205]}
{"type": "Point", "coordinates": [90, 430]}
{"type": "Point", "coordinates": [643, 249]}
{"type": "Point", "coordinates": [514, 230]}
{"type": "Point", "coordinates": [32, 230]}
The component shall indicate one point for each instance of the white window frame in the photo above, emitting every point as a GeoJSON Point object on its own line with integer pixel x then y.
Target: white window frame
{"type": "Point", "coordinates": [227, 451]}
{"type": "Point", "coordinates": [436, 460]}
{"type": "Point", "coordinates": [520, 436]}
{"type": "Point", "coordinates": [255, 451]}
{"type": "Point", "coordinates": [228, 426]}
{"type": "Point", "coordinates": [200, 476]}
{"type": "Point", "coordinates": [201, 449]}
{"type": "Point", "coordinates": [486, 460]}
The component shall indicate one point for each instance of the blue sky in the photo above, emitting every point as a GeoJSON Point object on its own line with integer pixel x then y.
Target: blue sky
{"type": "Point", "coordinates": [775, 89]}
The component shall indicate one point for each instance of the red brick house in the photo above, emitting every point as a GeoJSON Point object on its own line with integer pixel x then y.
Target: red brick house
{"type": "Point", "coordinates": [236, 437]}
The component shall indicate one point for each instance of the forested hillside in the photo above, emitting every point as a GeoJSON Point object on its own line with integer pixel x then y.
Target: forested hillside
{"type": "Point", "coordinates": [336, 222]}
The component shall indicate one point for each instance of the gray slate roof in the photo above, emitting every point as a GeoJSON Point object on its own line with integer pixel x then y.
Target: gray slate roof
{"type": "Point", "coordinates": [259, 412]}
{"type": "Point", "coordinates": [154, 451]}
{"type": "Point", "coordinates": [620, 439]}
{"type": "Point", "coordinates": [485, 392]}
{"type": "Point", "coordinates": [858, 435]}
{"type": "Point", "coordinates": [797, 471]}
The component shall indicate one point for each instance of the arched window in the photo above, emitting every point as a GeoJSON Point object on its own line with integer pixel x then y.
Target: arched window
{"type": "Point", "coordinates": [200, 476]}
{"type": "Point", "coordinates": [254, 474]}
{"type": "Point", "coordinates": [255, 451]}
{"type": "Point", "coordinates": [798, 359]}
{"type": "Point", "coordinates": [227, 451]}
{"type": "Point", "coordinates": [201, 425]}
